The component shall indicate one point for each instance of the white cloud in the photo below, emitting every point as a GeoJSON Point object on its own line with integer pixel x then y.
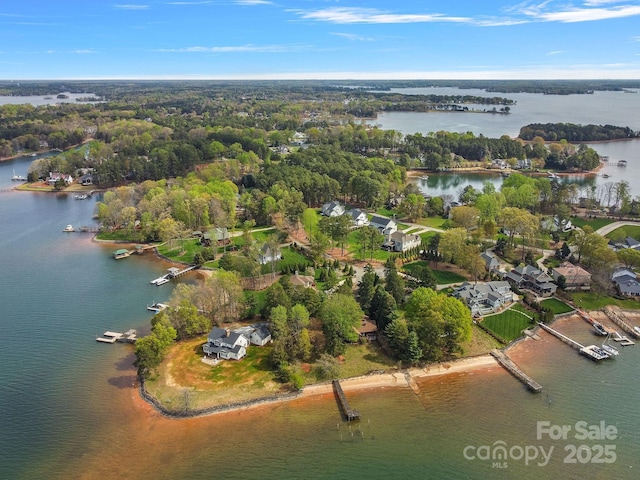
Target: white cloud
{"type": "Point", "coordinates": [84, 51]}
{"type": "Point", "coordinates": [354, 37]}
{"type": "Point", "coordinates": [344, 15]}
{"type": "Point", "coordinates": [573, 15]}
{"type": "Point", "coordinates": [130, 6]}
{"type": "Point", "coordinates": [555, 52]}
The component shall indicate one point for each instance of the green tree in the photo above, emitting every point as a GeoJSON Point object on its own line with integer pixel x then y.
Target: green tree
{"type": "Point", "coordinates": [187, 321]}
{"type": "Point", "coordinates": [367, 287]}
{"type": "Point", "coordinates": [151, 350]}
{"type": "Point", "coordinates": [442, 323]}
{"type": "Point", "coordinates": [383, 307]}
{"type": "Point", "coordinates": [339, 315]}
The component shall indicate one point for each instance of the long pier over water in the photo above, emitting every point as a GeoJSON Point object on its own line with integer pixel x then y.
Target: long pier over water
{"type": "Point", "coordinates": [349, 412]}
{"type": "Point", "coordinates": [513, 369]}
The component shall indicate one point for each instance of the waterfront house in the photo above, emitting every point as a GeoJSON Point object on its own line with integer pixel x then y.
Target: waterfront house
{"type": "Point", "coordinates": [576, 278]}
{"type": "Point", "coordinates": [86, 179]}
{"type": "Point", "coordinates": [358, 217]}
{"type": "Point", "coordinates": [367, 329]}
{"type": "Point", "coordinates": [217, 235]}
{"type": "Point", "coordinates": [332, 209]}
{"type": "Point", "coordinates": [55, 176]}
{"type": "Point", "coordinates": [225, 344]}
{"type": "Point", "coordinates": [266, 255]}
{"type": "Point", "coordinates": [484, 298]}
{"type": "Point", "coordinates": [386, 226]}
{"type": "Point", "coordinates": [626, 282]}
{"type": "Point", "coordinates": [532, 278]}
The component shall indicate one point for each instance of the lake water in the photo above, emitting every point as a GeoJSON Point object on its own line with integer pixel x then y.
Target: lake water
{"type": "Point", "coordinates": [68, 407]}
{"type": "Point", "coordinates": [601, 108]}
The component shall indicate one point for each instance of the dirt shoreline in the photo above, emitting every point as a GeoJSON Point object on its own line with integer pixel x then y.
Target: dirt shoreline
{"type": "Point", "coordinates": [398, 379]}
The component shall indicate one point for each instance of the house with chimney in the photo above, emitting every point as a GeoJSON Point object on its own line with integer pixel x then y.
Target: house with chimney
{"type": "Point", "coordinates": [225, 344]}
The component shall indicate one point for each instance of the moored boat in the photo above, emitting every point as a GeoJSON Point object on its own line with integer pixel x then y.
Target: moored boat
{"type": "Point", "coordinates": [599, 329]}
{"type": "Point", "coordinates": [612, 351]}
{"type": "Point", "coordinates": [69, 228]}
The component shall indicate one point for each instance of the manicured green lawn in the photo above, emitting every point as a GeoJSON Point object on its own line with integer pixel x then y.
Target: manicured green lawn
{"type": "Point", "coordinates": [181, 250]}
{"type": "Point", "coordinates": [310, 219]}
{"type": "Point", "coordinates": [444, 277]}
{"type": "Point", "coordinates": [628, 231]}
{"type": "Point", "coordinates": [594, 301]}
{"type": "Point", "coordinates": [508, 325]}
{"type": "Point", "coordinates": [354, 248]}
{"type": "Point", "coordinates": [426, 236]}
{"type": "Point", "coordinates": [556, 305]}
{"type": "Point", "coordinates": [289, 257]}
{"type": "Point", "coordinates": [594, 223]}
{"type": "Point", "coordinates": [434, 222]}
{"type": "Point", "coordinates": [385, 212]}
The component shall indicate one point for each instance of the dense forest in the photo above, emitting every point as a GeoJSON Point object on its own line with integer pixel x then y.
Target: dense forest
{"type": "Point", "coordinates": [552, 132]}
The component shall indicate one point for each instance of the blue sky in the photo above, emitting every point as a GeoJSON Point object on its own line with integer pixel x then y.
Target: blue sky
{"type": "Point", "coordinates": [330, 39]}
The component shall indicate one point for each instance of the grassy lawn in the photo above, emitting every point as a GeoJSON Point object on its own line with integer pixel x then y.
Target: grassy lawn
{"type": "Point", "coordinates": [385, 212]}
{"type": "Point", "coordinates": [444, 277]}
{"type": "Point", "coordinates": [481, 342]}
{"type": "Point", "coordinates": [354, 249]}
{"type": "Point", "coordinates": [556, 305]}
{"type": "Point", "coordinates": [594, 301]}
{"type": "Point", "coordinates": [508, 324]}
{"type": "Point", "coordinates": [181, 250]}
{"type": "Point", "coordinates": [434, 222]}
{"type": "Point", "coordinates": [627, 230]}
{"type": "Point", "coordinates": [594, 223]}
{"type": "Point", "coordinates": [289, 257]}
{"type": "Point", "coordinates": [426, 236]}
{"type": "Point", "coordinates": [122, 235]}
{"type": "Point", "coordinates": [229, 381]}
{"type": "Point", "coordinates": [358, 360]}
{"type": "Point", "coordinates": [310, 219]}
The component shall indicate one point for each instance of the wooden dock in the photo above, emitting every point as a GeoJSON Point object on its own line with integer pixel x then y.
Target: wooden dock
{"type": "Point", "coordinates": [593, 352]}
{"type": "Point", "coordinates": [348, 412]}
{"type": "Point", "coordinates": [130, 336]}
{"type": "Point", "coordinates": [176, 272]}
{"type": "Point", "coordinates": [620, 320]}
{"type": "Point", "coordinates": [514, 370]}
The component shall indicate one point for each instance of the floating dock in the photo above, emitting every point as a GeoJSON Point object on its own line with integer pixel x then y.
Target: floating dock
{"type": "Point", "coordinates": [172, 272]}
{"type": "Point", "coordinates": [130, 336]}
{"type": "Point", "coordinates": [513, 369]}
{"type": "Point", "coordinates": [349, 413]}
{"type": "Point", "coordinates": [592, 351]}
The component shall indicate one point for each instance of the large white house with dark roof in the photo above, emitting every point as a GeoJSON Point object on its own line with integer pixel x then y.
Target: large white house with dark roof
{"type": "Point", "coordinates": [386, 226]}
{"type": "Point", "coordinates": [225, 344]}
{"type": "Point", "coordinates": [484, 298]}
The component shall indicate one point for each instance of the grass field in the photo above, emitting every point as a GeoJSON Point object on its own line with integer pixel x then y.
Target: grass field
{"type": "Point", "coordinates": [594, 223]}
{"type": "Point", "coordinates": [626, 230]}
{"type": "Point", "coordinates": [594, 301]}
{"type": "Point", "coordinates": [434, 222]}
{"type": "Point", "coordinates": [444, 277]}
{"type": "Point", "coordinates": [508, 325]}
{"type": "Point", "coordinates": [556, 305]}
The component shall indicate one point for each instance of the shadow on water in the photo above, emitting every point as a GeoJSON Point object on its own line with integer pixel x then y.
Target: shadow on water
{"type": "Point", "coordinates": [125, 363]}
{"type": "Point", "coordinates": [122, 382]}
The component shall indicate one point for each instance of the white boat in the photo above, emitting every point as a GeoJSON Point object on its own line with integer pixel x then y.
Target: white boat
{"type": "Point", "coordinates": [610, 350]}
{"type": "Point", "coordinates": [160, 280]}
{"type": "Point", "coordinates": [81, 196]}
{"type": "Point", "coordinates": [69, 228]}
{"type": "Point", "coordinates": [157, 307]}
{"type": "Point", "coordinates": [599, 329]}
{"type": "Point", "coordinates": [424, 178]}
{"type": "Point", "coordinates": [637, 330]}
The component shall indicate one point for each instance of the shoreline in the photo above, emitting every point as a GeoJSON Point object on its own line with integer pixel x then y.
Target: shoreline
{"type": "Point", "coordinates": [400, 379]}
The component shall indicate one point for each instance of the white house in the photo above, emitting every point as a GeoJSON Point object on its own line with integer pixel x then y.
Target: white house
{"type": "Point", "coordinates": [332, 209]}
{"type": "Point", "coordinates": [225, 344]}
{"type": "Point", "coordinates": [386, 226]}
{"type": "Point", "coordinates": [267, 256]}
{"type": "Point", "coordinates": [358, 217]}
{"type": "Point", "coordinates": [490, 260]}
{"type": "Point", "coordinates": [401, 242]}
{"type": "Point", "coordinates": [260, 335]}
{"type": "Point", "coordinates": [484, 298]}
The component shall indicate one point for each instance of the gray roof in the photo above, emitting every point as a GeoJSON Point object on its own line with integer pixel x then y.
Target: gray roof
{"type": "Point", "coordinates": [382, 221]}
